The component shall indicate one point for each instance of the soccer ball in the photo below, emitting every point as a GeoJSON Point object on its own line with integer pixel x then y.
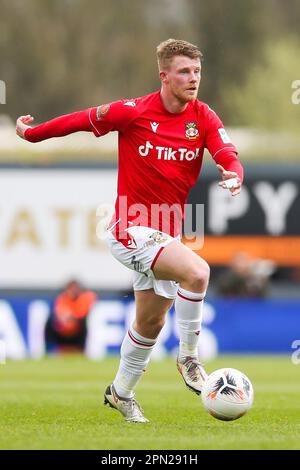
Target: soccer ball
{"type": "Point", "coordinates": [227, 394]}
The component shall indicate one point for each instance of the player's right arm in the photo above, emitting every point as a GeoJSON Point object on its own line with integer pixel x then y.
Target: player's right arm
{"type": "Point", "coordinates": [99, 120]}
{"type": "Point", "coordinates": [23, 124]}
{"type": "Point", "coordinates": [58, 127]}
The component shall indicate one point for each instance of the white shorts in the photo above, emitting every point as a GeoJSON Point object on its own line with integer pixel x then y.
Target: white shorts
{"type": "Point", "coordinates": [141, 259]}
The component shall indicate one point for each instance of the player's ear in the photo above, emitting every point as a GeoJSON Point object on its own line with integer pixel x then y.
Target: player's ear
{"type": "Point", "coordinates": [163, 76]}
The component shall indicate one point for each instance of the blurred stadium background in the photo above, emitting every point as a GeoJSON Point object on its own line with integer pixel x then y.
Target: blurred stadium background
{"type": "Point", "coordinates": [60, 56]}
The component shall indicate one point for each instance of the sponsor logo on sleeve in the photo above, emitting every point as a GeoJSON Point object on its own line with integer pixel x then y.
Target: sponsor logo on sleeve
{"type": "Point", "coordinates": [224, 136]}
{"type": "Point", "coordinates": [102, 111]}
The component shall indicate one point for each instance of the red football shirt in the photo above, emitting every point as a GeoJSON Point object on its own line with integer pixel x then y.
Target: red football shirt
{"type": "Point", "coordinates": [160, 156]}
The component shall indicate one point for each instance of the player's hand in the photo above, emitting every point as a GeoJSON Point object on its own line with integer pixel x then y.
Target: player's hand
{"type": "Point", "coordinates": [230, 180]}
{"type": "Point", "coordinates": [22, 125]}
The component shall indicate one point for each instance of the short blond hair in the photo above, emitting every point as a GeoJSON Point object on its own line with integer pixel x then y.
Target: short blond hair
{"type": "Point", "coordinates": [170, 48]}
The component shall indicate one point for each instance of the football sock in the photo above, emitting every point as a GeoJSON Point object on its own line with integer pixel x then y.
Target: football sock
{"type": "Point", "coordinates": [135, 355]}
{"type": "Point", "coordinates": [188, 307]}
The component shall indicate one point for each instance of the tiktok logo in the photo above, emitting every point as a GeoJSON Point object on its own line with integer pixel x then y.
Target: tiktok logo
{"type": "Point", "coordinates": [144, 149]}
{"type": "Point", "coordinates": [168, 153]}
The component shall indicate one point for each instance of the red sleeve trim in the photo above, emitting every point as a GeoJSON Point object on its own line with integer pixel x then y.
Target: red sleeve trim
{"type": "Point", "coordinates": [91, 121]}
{"type": "Point", "coordinates": [229, 149]}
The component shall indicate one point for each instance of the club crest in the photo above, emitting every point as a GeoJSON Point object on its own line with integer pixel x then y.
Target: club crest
{"type": "Point", "coordinates": [191, 130]}
{"type": "Point", "coordinates": [159, 237]}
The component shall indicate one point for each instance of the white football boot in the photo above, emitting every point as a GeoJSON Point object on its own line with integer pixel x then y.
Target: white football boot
{"type": "Point", "coordinates": [193, 373]}
{"type": "Point", "coordinates": [128, 407]}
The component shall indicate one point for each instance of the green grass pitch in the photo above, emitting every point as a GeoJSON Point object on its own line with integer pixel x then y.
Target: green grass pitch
{"type": "Point", "coordinates": [57, 403]}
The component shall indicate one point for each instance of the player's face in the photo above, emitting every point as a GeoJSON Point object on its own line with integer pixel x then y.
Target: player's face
{"type": "Point", "coordinates": [183, 78]}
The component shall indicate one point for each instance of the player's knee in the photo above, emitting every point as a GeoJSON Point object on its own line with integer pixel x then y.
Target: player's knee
{"type": "Point", "coordinates": [197, 278]}
{"type": "Point", "coordinates": [206, 270]}
{"type": "Point", "coordinates": [157, 322]}
{"type": "Point", "coordinates": [160, 323]}
{"type": "Point", "coordinates": [152, 325]}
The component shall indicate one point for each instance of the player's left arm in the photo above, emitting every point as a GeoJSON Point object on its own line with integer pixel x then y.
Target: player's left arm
{"type": "Point", "coordinates": [224, 154]}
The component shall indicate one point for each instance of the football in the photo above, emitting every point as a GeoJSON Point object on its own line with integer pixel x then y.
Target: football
{"type": "Point", "coordinates": [227, 394]}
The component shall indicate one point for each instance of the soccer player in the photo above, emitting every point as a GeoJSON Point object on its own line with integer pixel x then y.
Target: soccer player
{"type": "Point", "coordinates": [162, 137]}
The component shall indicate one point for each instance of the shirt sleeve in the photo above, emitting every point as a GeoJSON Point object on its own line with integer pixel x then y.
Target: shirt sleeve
{"type": "Point", "coordinates": [115, 116]}
{"type": "Point", "coordinates": [59, 127]}
{"type": "Point", "coordinates": [216, 140]}
{"type": "Point", "coordinates": [230, 162]}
